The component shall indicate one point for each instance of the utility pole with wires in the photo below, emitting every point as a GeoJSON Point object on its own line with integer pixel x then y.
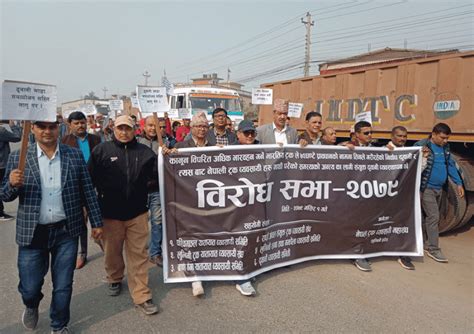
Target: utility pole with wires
{"type": "Point", "coordinates": [105, 90]}
{"type": "Point", "coordinates": [228, 75]}
{"type": "Point", "coordinates": [307, 56]}
{"type": "Point", "coordinates": [146, 75]}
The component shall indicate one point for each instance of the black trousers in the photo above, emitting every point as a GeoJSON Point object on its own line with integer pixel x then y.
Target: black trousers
{"type": "Point", "coordinates": [2, 174]}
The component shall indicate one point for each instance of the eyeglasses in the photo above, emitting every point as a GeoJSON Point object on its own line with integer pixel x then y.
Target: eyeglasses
{"type": "Point", "coordinates": [366, 133]}
{"type": "Point", "coordinates": [249, 133]}
{"type": "Point", "coordinates": [220, 116]}
{"type": "Point", "coordinates": [201, 127]}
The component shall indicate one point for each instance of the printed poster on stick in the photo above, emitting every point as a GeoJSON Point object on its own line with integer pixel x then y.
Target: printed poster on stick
{"type": "Point", "coordinates": [152, 99]}
{"type": "Point", "coordinates": [28, 101]}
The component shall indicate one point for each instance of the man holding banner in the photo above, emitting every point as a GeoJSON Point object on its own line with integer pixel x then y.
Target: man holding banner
{"type": "Point", "coordinates": [52, 191]}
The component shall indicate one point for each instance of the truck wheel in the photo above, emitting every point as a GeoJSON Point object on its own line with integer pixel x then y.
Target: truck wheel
{"type": "Point", "coordinates": [469, 211]}
{"type": "Point", "coordinates": [452, 209]}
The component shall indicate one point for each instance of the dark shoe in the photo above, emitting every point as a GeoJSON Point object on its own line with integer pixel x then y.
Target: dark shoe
{"type": "Point", "coordinates": [362, 264]}
{"type": "Point", "coordinates": [81, 261]}
{"type": "Point", "coordinates": [114, 289]}
{"type": "Point", "coordinates": [436, 255]}
{"type": "Point", "coordinates": [157, 259]}
{"type": "Point", "coordinates": [147, 307]}
{"type": "Point", "coordinates": [405, 262]}
{"type": "Point", "coordinates": [4, 217]}
{"type": "Point", "coordinates": [30, 318]}
{"type": "Point", "coordinates": [63, 330]}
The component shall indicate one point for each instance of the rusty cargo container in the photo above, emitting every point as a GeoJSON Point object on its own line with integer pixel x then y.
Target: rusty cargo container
{"type": "Point", "coordinates": [414, 93]}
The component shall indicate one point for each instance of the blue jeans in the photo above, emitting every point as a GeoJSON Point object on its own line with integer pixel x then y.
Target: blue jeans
{"type": "Point", "coordinates": [154, 205]}
{"type": "Point", "coordinates": [33, 264]}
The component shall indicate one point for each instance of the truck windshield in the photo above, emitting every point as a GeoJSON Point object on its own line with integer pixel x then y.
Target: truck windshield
{"type": "Point", "coordinates": [211, 103]}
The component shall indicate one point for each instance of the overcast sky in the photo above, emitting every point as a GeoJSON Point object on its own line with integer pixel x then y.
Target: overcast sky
{"type": "Point", "coordinates": [83, 46]}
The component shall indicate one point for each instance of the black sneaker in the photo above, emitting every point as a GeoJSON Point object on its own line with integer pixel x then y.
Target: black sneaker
{"type": "Point", "coordinates": [405, 262]}
{"type": "Point", "coordinates": [436, 255]}
{"type": "Point", "coordinates": [362, 264]}
{"type": "Point", "coordinates": [5, 217]}
{"type": "Point", "coordinates": [30, 318]}
{"type": "Point", "coordinates": [147, 307]}
{"type": "Point", "coordinates": [114, 289]}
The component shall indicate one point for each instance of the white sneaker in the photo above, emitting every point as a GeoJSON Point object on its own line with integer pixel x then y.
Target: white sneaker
{"type": "Point", "coordinates": [198, 290]}
{"type": "Point", "coordinates": [246, 289]}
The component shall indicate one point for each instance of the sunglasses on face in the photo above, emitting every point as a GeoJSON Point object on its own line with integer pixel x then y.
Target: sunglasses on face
{"type": "Point", "coordinates": [249, 133]}
{"type": "Point", "coordinates": [366, 133]}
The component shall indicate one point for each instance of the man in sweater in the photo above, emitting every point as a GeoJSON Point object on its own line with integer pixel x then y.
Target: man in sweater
{"type": "Point", "coordinates": [439, 166]}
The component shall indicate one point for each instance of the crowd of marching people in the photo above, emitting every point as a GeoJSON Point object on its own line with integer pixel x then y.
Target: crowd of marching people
{"type": "Point", "coordinates": [103, 170]}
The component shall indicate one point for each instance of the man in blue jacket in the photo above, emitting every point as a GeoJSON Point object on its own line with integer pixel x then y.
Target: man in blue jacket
{"type": "Point", "coordinates": [439, 166]}
{"type": "Point", "coordinates": [52, 191]}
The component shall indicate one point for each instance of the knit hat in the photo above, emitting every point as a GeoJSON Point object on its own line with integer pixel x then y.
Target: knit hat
{"type": "Point", "coordinates": [199, 119]}
{"type": "Point", "coordinates": [280, 105]}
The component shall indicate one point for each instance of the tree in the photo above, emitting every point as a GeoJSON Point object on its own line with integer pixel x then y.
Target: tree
{"type": "Point", "coordinates": [91, 96]}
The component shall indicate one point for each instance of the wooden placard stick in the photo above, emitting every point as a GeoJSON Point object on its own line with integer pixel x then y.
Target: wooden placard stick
{"type": "Point", "coordinates": [24, 144]}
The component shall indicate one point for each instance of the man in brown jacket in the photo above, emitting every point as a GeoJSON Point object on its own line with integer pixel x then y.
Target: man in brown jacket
{"type": "Point", "coordinates": [79, 138]}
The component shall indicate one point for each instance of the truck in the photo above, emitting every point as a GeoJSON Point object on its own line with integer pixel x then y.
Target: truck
{"type": "Point", "coordinates": [415, 93]}
{"type": "Point", "coordinates": [199, 98]}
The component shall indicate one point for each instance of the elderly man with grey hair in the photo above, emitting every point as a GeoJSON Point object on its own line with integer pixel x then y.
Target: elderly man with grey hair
{"type": "Point", "coordinates": [199, 130]}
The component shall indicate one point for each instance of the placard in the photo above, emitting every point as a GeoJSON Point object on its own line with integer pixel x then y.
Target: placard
{"type": "Point", "coordinates": [116, 105]}
{"type": "Point", "coordinates": [28, 101]}
{"type": "Point", "coordinates": [262, 96]}
{"type": "Point", "coordinates": [152, 99]}
{"type": "Point", "coordinates": [185, 113]}
{"type": "Point", "coordinates": [134, 101]}
{"type": "Point", "coordinates": [364, 116]}
{"type": "Point", "coordinates": [295, 109]}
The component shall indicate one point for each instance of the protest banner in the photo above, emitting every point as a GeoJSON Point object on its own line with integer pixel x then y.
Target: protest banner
{"type": "Point", "coordinates": [26, 101]}
{"type": "Point", "coordinates": [295, 109]}
{"type": "Point", "coordinates": [232, 213]}
{"type": "Point", "coordinates": [116, 105]}
{"type": "Point", "coordinates": [262, 96]}
{"type": "Point", "coordinates": [152, 99]}
{"type": "Point", "coordinates": [88, 109]}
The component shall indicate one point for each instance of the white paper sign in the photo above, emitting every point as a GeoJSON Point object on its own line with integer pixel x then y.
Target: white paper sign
{"type": "Point", "coordinates": [152, 99]}
{"type": "Point", "coordinates": [262, 96]}
{"type": "Point", "coordinates": [173, 113]}
{"type": "Point", "coordinates": [88, 109]}
{"type": "Point", "coordinates": [28, 101]}
{"type": "Point", "coordinates": [295, 109]}
{"type": "Point", "coordinates": [134, 101]}
{"type": "Point", "coordinates": [364, 116]}
{"type": "Point", "coordinates": [185, 113]}
{"type": "Point", "coordinates": [116, 105]}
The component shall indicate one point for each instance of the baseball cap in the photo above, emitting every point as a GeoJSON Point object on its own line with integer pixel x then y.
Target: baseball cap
{"type": "Point", "coordinates": [246, 125]}
{"type": "Point", "coordinates": [124, 120]}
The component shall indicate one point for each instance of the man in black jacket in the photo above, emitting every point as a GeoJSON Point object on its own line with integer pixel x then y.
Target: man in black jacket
{"type": "Point", "coordinates": [121, 170]}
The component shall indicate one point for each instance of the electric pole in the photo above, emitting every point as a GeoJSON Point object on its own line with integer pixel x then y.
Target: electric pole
{"type": "Point", "coordinates": [146, 75]}
{"type": "Point", "coordinates": [105, 90]}
{"type": "Point", "coordinates": [307, 56]}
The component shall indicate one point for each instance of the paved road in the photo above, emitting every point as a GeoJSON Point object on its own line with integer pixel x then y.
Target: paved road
{"type": "Point", "coordinates": [321, 296]}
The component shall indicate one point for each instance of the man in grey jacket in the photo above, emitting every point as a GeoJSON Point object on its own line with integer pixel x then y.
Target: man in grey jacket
{"type": "Point", "coordinates": [277, 132]}
{"type": "Point", "coordinates": [9, 132]}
